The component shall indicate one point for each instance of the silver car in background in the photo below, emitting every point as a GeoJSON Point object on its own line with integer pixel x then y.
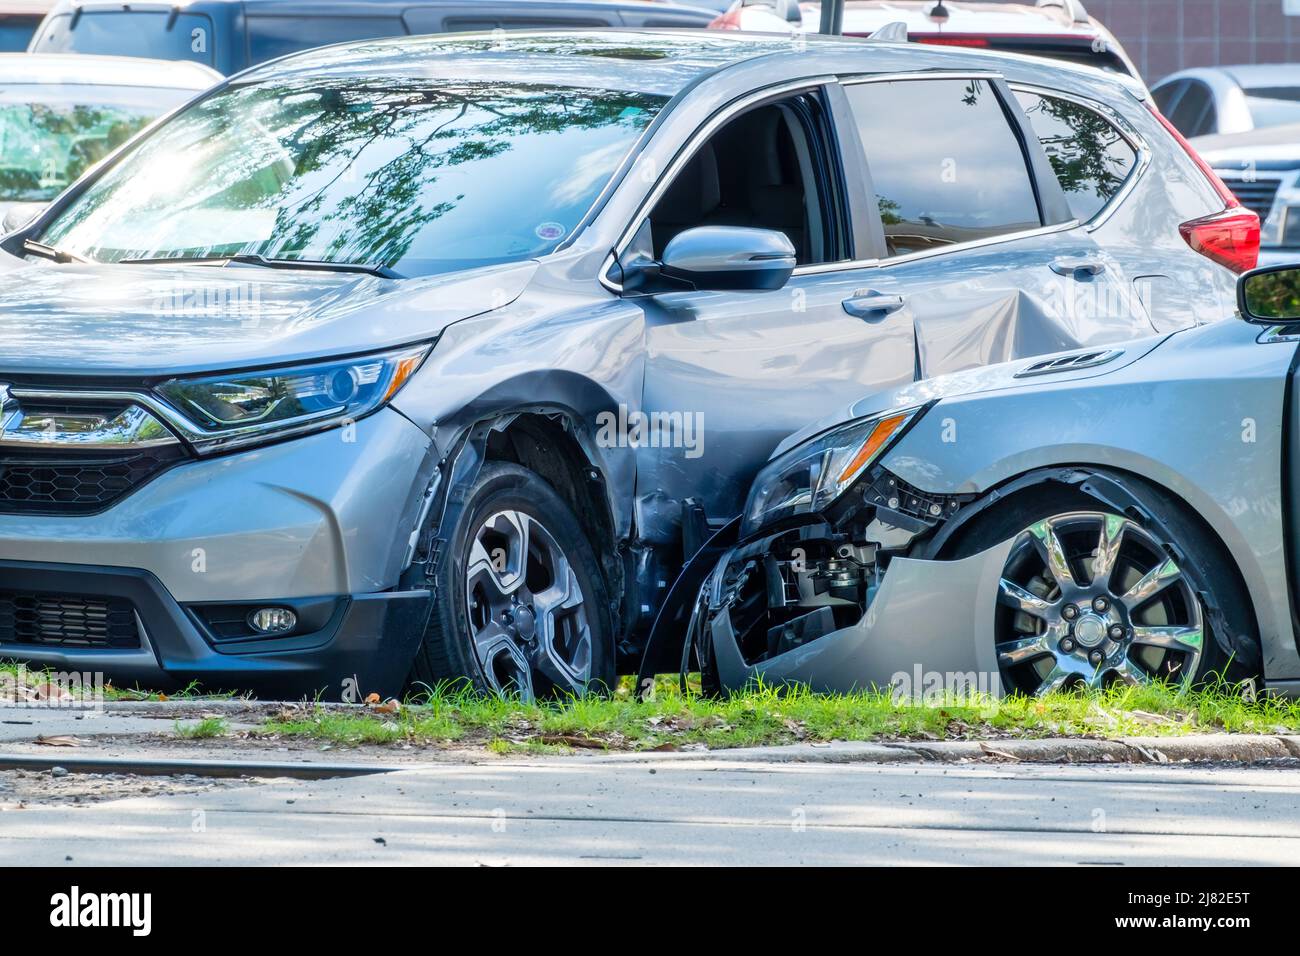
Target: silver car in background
{"type": "Point", "coordinates": [430, 358]}
{"type": "Point", "coordinates": [59, 115]}
{"type": "Point", "coordinates": [1119, 514]}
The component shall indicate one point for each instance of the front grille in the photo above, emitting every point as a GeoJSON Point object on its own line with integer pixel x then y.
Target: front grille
{"type": "Point", "coordinates": [1256, 196]}
{"type": "Point", "coordinates": [58, 481]}
{"type": "Point", "coordinates": [67, 620]}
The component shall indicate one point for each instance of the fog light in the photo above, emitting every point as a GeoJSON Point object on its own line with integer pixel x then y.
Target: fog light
{"type": "Point", "coordinates": [272, 620]}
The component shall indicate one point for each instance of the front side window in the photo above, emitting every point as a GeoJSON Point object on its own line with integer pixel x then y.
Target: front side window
{"type": "Point", "coordinates": [944, 162]}
{"type": "Point", "coordinates": [760, 171]}
{"type": "Point", "coordinates": [417, 176]}
{"type": "Point", "coordinates": [1090, 157]}
{"type": "Point", "coordinates": [50, 136]}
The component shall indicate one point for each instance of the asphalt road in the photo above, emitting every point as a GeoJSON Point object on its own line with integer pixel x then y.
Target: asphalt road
{"type": "Point", "coordinates": [690, 811]}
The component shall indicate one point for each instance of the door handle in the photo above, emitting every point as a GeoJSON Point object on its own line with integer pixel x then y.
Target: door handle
{"type": "Point", "coordinates": [1079, 268]}
{"type": "Point", "coordinates": [866, 304]}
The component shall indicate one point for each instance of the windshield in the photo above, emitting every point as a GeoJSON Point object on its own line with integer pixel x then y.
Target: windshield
{"type": "Point", "coordinates": [50, 136]}
{"type": "Point", "coordinates": [1273, 105]}
{"type": "Point", "coordinates": [415, 177]}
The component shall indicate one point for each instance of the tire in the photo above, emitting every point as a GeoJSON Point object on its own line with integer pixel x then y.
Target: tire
{"type": "Point", "coordinates": [1142, 596]}
{"type": "Point", "coordinates": [490, 625]}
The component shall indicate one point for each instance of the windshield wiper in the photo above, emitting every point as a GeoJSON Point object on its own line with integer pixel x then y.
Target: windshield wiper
{"type": "Point", "coordinates": [255, 259]}
{"type": "Point", "coordinates": [51, 252]}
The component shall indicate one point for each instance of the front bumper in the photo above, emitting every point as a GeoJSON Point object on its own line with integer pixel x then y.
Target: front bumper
{"type": "Point", "coordinates": [326, 517]}
{"type": "Point", "coordinates": [330, 513]}
{"type": "Point", "coordinates": [365, 646]}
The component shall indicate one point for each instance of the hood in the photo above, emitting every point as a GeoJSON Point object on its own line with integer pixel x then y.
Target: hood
{"type": "Point", "coordinates": [159, 320]}
{"type": "Point", "coordinates": [987, 378]}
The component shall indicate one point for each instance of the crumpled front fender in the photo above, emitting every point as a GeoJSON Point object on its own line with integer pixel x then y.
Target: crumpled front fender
{"type": "Point", "coordinates": [929, 617]}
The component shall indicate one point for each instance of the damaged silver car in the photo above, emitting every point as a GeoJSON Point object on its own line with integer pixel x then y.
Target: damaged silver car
{"type": "Point", "coordinates": [1125, 513]}
{"type": "Point", "coordinates": [428, 358]}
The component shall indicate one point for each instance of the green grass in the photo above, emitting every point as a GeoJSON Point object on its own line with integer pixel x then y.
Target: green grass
{"type": "Point", "coordinates": [673, 721]}
{"type": "Point", "coordinates": [205, 729]}
{"type": "Point", "coordinates": [35, 677]}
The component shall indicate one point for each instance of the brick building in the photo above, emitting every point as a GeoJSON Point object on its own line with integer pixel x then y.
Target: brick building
{"type": "Point", "coordinates": [1167, 35]}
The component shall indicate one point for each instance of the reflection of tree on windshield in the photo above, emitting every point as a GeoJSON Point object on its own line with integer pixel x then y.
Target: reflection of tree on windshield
{"type": "Point", "coordinates": [357, 174]}
{"type": "Point", "coordinates": [46, 147]}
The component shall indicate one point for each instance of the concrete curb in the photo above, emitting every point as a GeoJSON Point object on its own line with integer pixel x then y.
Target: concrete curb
{"type": "Point", "coordinates": [1204, 748]}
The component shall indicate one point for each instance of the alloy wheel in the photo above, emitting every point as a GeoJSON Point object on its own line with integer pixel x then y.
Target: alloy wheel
{"type": "Point", "coordinates": [1089, 598]}
{"type": "Point", "coordinates": [527, 613]}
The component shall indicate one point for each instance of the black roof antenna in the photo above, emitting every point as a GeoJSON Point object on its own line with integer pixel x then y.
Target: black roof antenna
{"type": "Point", "coordinates": [939, 11]}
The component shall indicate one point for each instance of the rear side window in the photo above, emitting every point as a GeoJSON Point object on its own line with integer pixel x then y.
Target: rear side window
{"type": "Point", "coordinates": [162, 35]}
{"type": "Point", "coordinates": [1167, 94]}
{"type": "Point", "coordinates": [1090, 157]}
{"type": "Point", "coordinates": [1193, 113]}
{"type": "Point", "coordinates": [944, 161]}
{"type": "Point", "coordinates": [269, 37]}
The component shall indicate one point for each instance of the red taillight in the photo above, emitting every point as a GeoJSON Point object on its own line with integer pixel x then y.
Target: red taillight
{"type": "Point", "coordinates": [1230, 237]}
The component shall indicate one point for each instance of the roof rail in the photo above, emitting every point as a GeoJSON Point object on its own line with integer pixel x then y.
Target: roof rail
{"type": "Point", "coordinates": [893, 32]}
{"type": "Point", "coordinates": [1073, 9]}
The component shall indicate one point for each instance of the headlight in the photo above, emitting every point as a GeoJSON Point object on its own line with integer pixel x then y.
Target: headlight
{"type": "Point", "coordinates": [239, 408]}
{"type": "Point", "coordinates": [812, 475]}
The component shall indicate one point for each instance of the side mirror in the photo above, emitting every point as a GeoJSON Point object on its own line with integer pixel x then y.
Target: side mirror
{"type": "Point", "coordinates": [18, 215]}
{"type": "Point", "coordinates": [1270, 296]}
{"type": "Point", "coordinates": [729, 258]}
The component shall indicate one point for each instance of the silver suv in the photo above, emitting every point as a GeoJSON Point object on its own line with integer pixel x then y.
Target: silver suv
{"type": "Point", "coordinates": [429, 359]}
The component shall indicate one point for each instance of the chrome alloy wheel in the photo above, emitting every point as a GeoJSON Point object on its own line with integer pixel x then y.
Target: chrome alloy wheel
{"type": "Point", "coordinates": [1088, 598]}
{"type": "Point", "coordinates": [527, 613]}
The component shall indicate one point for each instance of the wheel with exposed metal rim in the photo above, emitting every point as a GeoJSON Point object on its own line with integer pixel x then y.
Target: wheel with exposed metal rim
{"type": "Point", "coordinates": [1092, 594]}
{"type": "Point", "coordinates": [525, 609]}
{"type": "Point", "coordinates": [1088, 598]}
{"type": "Point", "coordinates": [520, 607]}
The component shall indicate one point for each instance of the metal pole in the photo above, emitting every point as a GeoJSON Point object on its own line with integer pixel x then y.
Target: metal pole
{"type": "Point", "coordinates": [832, 17]}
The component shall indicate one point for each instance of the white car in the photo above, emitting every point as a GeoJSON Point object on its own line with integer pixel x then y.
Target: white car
{"type": "Point", "coordinates": [1057, 29]}
{"type": "Point", "coordinates": [61, 114]}
{"type": "Point", "coordinates": [1230, 99]}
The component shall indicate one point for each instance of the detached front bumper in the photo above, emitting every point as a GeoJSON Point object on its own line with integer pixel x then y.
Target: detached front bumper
{"type": "Point", "coordinates": [930, 624]}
